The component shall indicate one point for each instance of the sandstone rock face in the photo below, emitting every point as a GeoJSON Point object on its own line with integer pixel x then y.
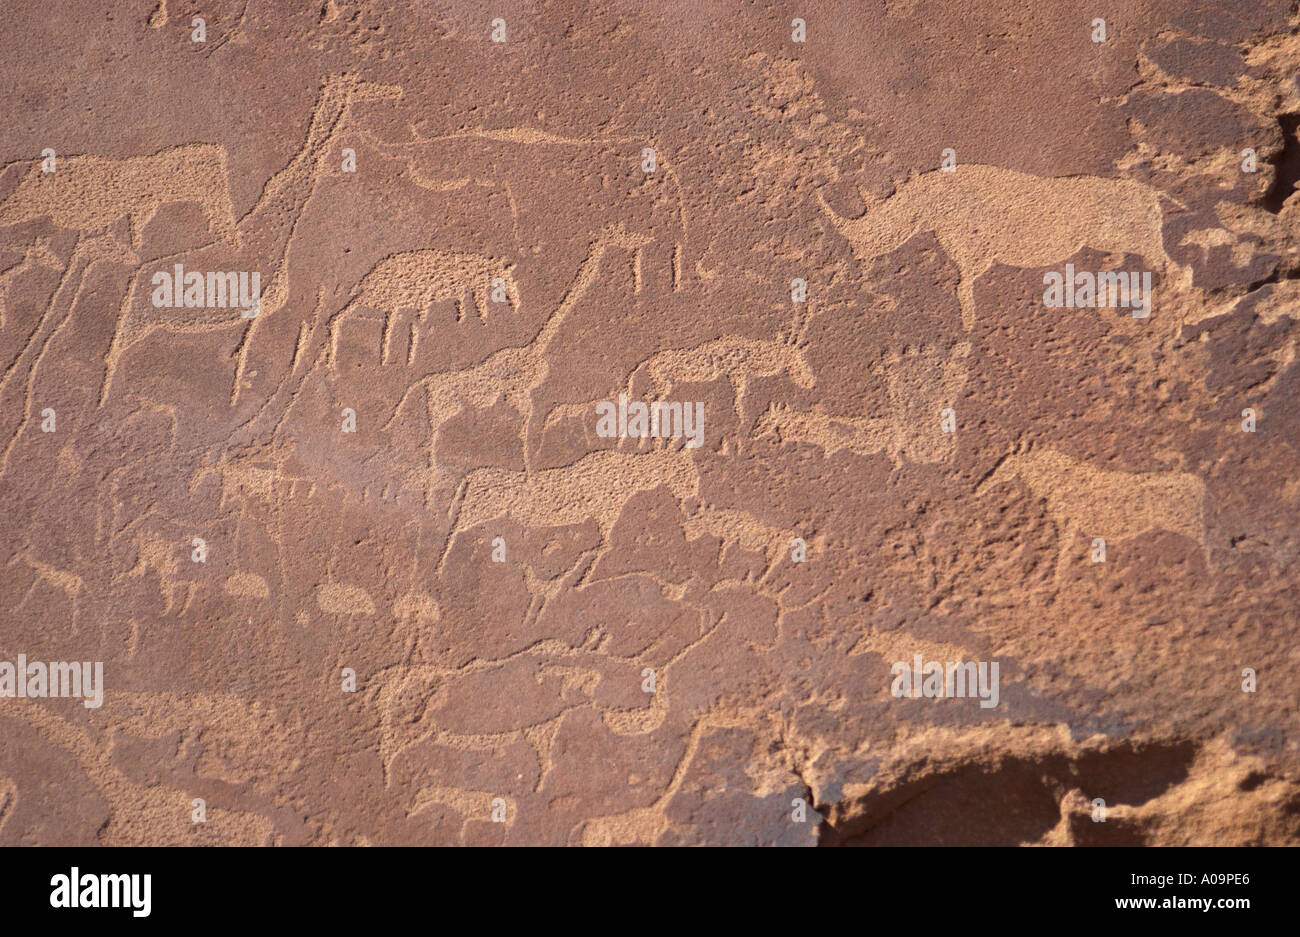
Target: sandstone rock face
{"type": "Point", "coordinates": [967, 510]}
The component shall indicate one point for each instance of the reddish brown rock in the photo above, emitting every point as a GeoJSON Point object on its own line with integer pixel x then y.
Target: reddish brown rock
{"type": "Point", "coordinates": [368, 568]}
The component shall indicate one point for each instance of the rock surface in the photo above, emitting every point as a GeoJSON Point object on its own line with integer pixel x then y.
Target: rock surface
{"type": "Point", "coordinates": [434, 603]}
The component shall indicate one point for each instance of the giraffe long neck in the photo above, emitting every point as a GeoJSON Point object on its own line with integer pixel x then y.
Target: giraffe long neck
{"type": "Point", "coordinates": [577, 289]}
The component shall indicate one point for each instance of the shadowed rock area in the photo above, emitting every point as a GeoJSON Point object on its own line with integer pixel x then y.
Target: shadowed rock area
{"type": "Point", "coordinates": [966, 513]}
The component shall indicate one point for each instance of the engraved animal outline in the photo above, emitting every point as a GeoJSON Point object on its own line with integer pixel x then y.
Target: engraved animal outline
{"type": "Point", "coordinates": [418, 278]}
{"type": "Point", "coordinates": [984, 215]}
{"type": "Point", "coordinates": [285, 197]}
{"type": "Point", "coordinates": [52, 576]}
{"type": "Point", "coordinates": [159, 555]}
{"type": "Point", "coordinates": [1109, 504]}
{"type": "Point", "coordinates": [739, 527]}
{"type": "Point", "coordinates": [596, 488]}
{"type": "Point", "coordinates": [912, 427]}
{"type": "Point", "coordinates": [406, 692]}
{"type": "Point", "coordinates": [734, 358]}
{"type": "Point", "coordinates": [647, 824]}
{"type": "Point", "coordinates": [90, 193]}
{"type": "Point", "coordinates": [864, 436]}
{"type": "Point", "coordinates": [511, 373]}
{"type": "Point", "coordinates": [86, 253]}
{"type": "Point", "coordinates": [153, 715]}
{"type": "Point", "coordinates": [36, 254]}
{"type": "Point", "coordinates": [527, 138]}
{"type": "Point", "coordinates": [309, 351]}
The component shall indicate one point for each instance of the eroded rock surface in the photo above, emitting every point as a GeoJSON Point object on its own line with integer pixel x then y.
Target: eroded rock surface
{"type": "Point", "coordinates": [363, 565]}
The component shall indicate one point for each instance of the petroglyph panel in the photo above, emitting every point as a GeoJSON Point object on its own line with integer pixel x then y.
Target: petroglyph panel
{"type": "Point", "coordinates": [986, 335]}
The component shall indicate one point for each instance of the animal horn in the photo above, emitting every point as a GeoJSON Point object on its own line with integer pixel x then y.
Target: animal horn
{"type": "Point", "coordinates": [838, 220]}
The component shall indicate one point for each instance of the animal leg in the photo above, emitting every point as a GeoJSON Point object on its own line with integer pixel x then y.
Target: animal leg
{"type": "Point", "coordinates": [440, 410]}
{"type": "Point", "coordinates": [1067, 544]}
{"type": "Point", "coordinates": [966, 299]}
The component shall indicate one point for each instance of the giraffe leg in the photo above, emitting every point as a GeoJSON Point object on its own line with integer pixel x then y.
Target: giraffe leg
{"type": "Point", "coordinates": [440, 409]}
{"type": "Point", "coordinates": [1066, 547]}
{"type": "Point", "coordinates": [966, 299]}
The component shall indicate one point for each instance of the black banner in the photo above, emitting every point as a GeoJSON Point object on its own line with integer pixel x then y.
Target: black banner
{"type": "Point", "coordinates": [170, 886]}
